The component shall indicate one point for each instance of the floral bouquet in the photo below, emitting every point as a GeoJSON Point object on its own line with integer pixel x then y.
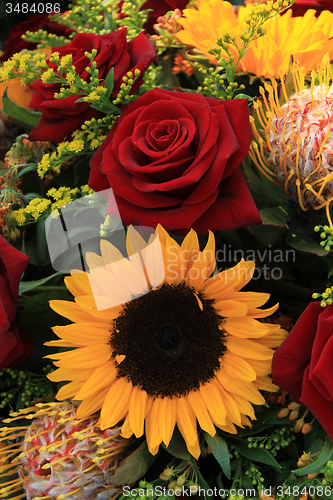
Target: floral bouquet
{"type": "Point", "coordinates": [166, 240]}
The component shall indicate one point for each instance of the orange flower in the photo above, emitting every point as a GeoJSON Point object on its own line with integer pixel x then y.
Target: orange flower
{"type": "Point", "coordinates": [306, 38]}
{"type": "Point", "coordinates": [20, 94]}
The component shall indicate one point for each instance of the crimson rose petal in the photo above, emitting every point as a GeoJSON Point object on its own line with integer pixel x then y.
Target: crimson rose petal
{"type": "Point", "coordinates": [173, 158]}
{"type": "Point", "coordinates": [16, 345]}
{"type": "Point", "coordinates": [302, 365]}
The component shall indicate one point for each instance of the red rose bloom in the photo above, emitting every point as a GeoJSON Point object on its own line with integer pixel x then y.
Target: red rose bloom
{"type": "Point", "coordinates": [16, 345]}
{"type": "Point", "coordinates": [302, 365]}
{"type": "Point", "coordinates": [300, 7]}
{"type": "Point", "coordinates": [173, 158]}
{"type": "Point", "coordinates": [60, 117]}
{"type": "Point", "coordinates": [15, 43]}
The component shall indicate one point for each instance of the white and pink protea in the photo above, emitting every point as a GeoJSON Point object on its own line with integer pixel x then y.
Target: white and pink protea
{"type": "Point", "coordinates": [59, 457]}
{"type": "Point", "coordinates": [294, 147]}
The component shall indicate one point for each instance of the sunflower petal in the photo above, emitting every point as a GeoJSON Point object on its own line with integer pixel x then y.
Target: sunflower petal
{"type": "Point", "coordinates": [91, 405]}
{"type": "Point", "coordinates": [187, 422]}
{"type": "Point", "coordinates": [248, 349]}
{"type": "Point", "coordinates": [83, 334]}
{"type": "Point", "coordinates": [84, 357]}
{"type": "Point", "coordinates": [69, 374]}
{"type": "Point", "coordinates": [198, 406]}
{"type": "Point", "coordinates": [243, 389]}
{"type": "Point", "coordinates": [126, 431]}
{"type": "Point", "coordinates": [69, 390]}
{"type": "Point", "coordinates": [245, 327]}
{"type": "Point", "coordinates": [137, 410]}
{"type": "Point", "coordinates": [153, 435]}
{"type": "Point", "coordinates": [116, 403]}
{"type": "Point", "coordinates": [103, 376]}
{"type": "Point", "coordinates": [167, 419]}
{"type": "Point", "coordinates": [214, 404]}
{"type": "Point", "coordinates": [238, 368]}
{"type": "Point", "coordinates": [230, 308]}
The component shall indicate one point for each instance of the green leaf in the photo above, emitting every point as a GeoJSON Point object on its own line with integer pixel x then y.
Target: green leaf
{"type": "Point", "coordinates": [255, 454]}
{"type": "Point", "coordinates": [177, 446]}
{"type": "Point", "coordinates": [260, 186]}
{"type": "Point", "coordinates": [320, 462]}
{"type": "Point", "coordinates": [275, 216]}
{"type": "Point", "coordinates": [109, 83]}
{"type": "Point", "coordinates": [26, 286]}
{"type": "Point", "coordinates": [220, 451]}
{"type": "Point", "coordinates": [267, 234]}
{"type": "Point", "coordinates": [133, 467]}
{"type": "Point", "coordinates": [299, 239]}
{"type": "Point", "coordinates": [243, 96]}
{"type": "Point", "coordinates": [38, 318]}
{"type": "Point", "coordinates": [21, 115]}
{"type": "Point", "coordinates": [30, 167]}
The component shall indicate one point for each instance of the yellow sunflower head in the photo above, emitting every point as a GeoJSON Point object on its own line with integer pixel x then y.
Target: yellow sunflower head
{"type": "Point", "coordinates": [187, 351]}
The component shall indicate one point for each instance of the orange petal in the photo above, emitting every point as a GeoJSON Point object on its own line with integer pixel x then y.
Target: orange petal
{"type": "Point", "coordinates": [116, 403]}
{"type": "Point", "coordinates": [137, 410]}
{"type": "Point", "coordinates": [103, 376]}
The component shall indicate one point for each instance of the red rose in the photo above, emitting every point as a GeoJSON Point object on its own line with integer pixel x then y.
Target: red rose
{"type": "Point", "coordinates": [16, 345]}
{"type": "Point", "coordinates": [300, 7]}
{"type": "Point", "coordinates": [15, 43]}
{"type": "Point", "coordinates": [60, 117]}
{"type": "Point", "coordinates": [173, 158]}
{"type": "Point", "coordinates": [302, 365]}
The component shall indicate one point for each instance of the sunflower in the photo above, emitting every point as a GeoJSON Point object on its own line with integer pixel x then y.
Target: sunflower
{"type": "Point", "coordinates": [176, 348]}
{"type": "Point", "coordinates": [306, 38]}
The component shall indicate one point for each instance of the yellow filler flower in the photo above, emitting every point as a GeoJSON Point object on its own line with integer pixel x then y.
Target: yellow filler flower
{"type": "Point", "coordinates": [306, 38]}
{"type": "Point", "coordinates": [294, 141]}
{"type": "Point", "coordinates": [190, 349]}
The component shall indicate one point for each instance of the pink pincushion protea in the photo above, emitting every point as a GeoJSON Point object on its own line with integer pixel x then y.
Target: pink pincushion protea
{"type": "Point", "coordinates": [294, 148]}
{"type": "Point", "coordinates": [302, 138]}
{"type": "Point", "coordinates": [60, 457]}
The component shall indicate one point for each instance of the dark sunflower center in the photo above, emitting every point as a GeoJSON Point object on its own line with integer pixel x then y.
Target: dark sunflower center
{"type": "Point", "coordinates": [169, 340]}
{"type": "Point", "coordinates": [171, 345]}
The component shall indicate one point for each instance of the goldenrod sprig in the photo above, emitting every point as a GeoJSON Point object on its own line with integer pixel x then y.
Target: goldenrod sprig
{"type": "Point", "coordinates": [42, 207]}
{"type": "Point", "coordinates": [91, 16]}
{"type": "Point", "coordinates": [135, 18]}
{"type": "Point", "coordinates": [221, 81]}
{"type": "Point", "coordinates": [84, 142]}
{"type": "Point", "coordinates": [45, 39]}
{"type": "Point", "coordinates": [26, 65]}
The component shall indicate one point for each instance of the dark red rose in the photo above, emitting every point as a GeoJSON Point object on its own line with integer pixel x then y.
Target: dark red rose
{"type": "Point", "coordinates": [173, 158]}
{"type": "Point", "coordinates": [301, 6]}
{"type": "Point", "coordinates": [159, 9]}
{"type": "Point", "coordinates": [303, 366]}
{"type": "Point", "coordinates": [60, 117]}
{"type": "Point", "coordinates": [15, 43]}
{"type": "Point", "coordinates": [16, 345]}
